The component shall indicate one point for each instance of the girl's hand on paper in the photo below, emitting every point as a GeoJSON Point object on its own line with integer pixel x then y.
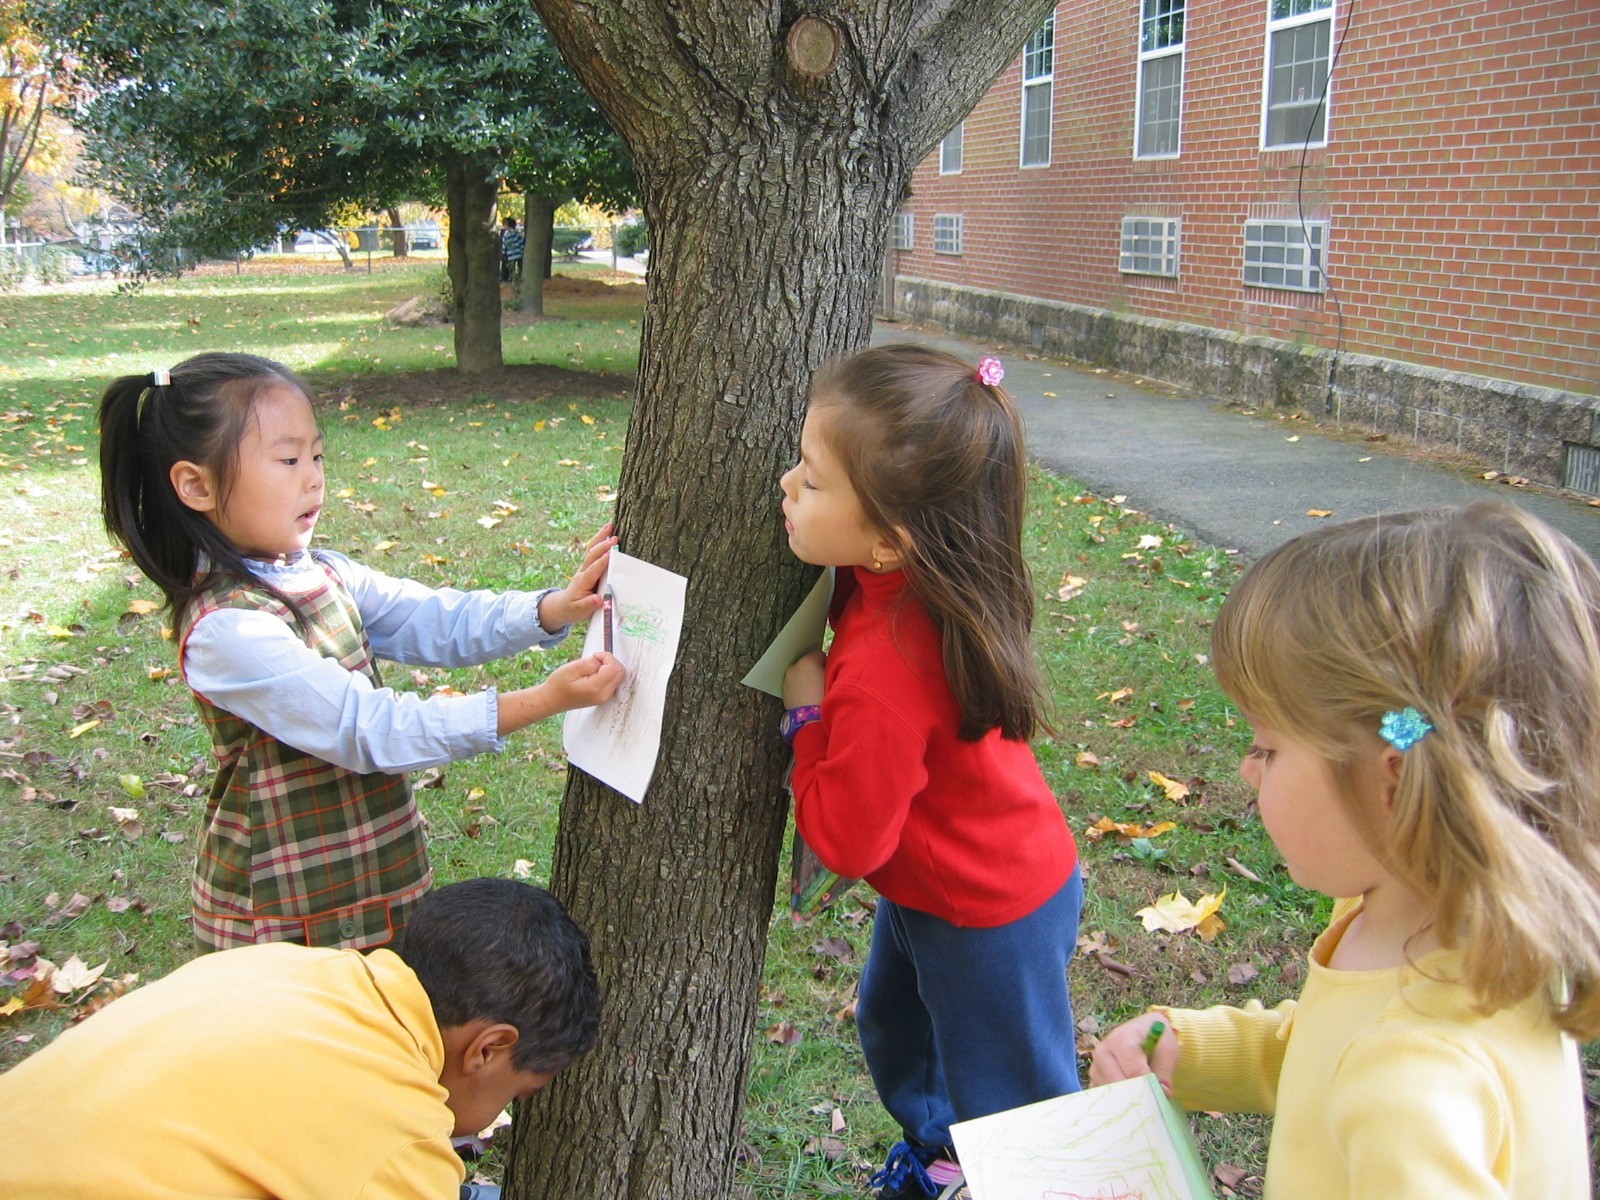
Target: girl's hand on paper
{"type": "Point", "coordinates": [584, 682]}
{"type": "Point", "coordinates": [803, 681]}
{"type": "Point", "coordinates": [1121, 1054]}
{"type": "Point", "coordinates": [580, 599]}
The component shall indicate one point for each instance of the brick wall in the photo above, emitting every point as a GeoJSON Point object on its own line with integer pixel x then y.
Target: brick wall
{"type": "Point", "coordinates": [1461, 180]}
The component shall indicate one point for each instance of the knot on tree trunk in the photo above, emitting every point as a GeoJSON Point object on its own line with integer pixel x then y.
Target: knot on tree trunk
{"type": "Point", "coordinates": [813, 47]}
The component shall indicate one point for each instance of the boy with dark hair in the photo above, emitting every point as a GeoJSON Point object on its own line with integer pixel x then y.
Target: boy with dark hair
{"type": "Point", "coordinates": [309, 1074]}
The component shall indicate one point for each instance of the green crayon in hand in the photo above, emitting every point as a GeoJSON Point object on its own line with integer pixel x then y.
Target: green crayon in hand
{"type": "Point", "coordinates": [1153, 1037]}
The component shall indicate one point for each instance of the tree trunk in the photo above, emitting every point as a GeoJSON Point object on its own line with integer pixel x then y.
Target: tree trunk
{"type": "Point", "coordinates": [770, 162]}
{"type": "Point", "coordinates": [539, 216]}
{"type": "Point", "coordinates": [547, 260]}
{"type": "Point", "coordinates": [472, 256]}
{"type": "Point", "coordinates": [397, 234]}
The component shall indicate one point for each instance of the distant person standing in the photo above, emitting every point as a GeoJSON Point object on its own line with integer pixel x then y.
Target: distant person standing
{"type": "Point", "coordinates": [512, 241]}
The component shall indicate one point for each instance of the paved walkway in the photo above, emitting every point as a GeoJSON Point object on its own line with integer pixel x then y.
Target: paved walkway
{"type": "Point", "coordinates": [1232, 480]}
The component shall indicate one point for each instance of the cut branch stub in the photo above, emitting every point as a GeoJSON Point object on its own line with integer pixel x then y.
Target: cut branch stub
{"type": "Point", "coordinates": [813, 46]}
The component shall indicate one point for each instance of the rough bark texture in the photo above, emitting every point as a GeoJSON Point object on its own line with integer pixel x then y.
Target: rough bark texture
{"type": "Point", "coordinates": [539, 215]}
{"type": "Point", "coordinates": [472, 255]}
{"type": "Point", "coordinates": [768, 182]}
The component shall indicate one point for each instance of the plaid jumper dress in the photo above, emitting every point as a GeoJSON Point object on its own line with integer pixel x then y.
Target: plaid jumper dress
{"type": "Point", "coordinates": [295, 849]}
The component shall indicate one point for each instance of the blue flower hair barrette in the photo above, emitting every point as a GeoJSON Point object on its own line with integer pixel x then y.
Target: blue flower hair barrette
{"type": "Point", "coordinates": [1404, 729]}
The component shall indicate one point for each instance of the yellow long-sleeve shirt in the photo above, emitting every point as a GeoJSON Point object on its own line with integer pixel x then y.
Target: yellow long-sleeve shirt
{"type": "Point", "coordinates": [1390, 1084]}
{"type": "Point", "coordinates": [266, 1071]}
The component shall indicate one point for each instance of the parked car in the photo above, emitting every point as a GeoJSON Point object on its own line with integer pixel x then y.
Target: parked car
{"type": "Point", "coordinates": [426, 235]}
{"type": "Point", "coordinates": [316, 241]}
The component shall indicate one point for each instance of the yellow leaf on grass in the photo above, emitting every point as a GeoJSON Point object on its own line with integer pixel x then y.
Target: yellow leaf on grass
{"type": "Point", "coordinates": [11, 1006]}
{"type": "Point", "coordinates": [73, 976]}
{"type": "Point", "coordinates": [586, 419]}
{"type": "Point", "coordinates": [345, 493]}
{"type": "Point", "coordinates": [1087, 759]}
{"type": "Point", "coordinates": [78, 731]}
{"type": "Point", "coordinates": [1071, 587]}
{"type": "Point", "coordinates": [1116, 697]}
{"type": "Point", "coordinates": [1127, 831]}
{"type": "Point", "coordinates": [386, 544]}
{"type": "Point", "coordinates": [1176, 792]}
{"type": "Point", "coordinates": [143, 608]}
{"type": "Point", "coordinates": [1175, 914]}
{"type": "Point", "coordinates": [538, 426]}
{"type": "Point", "coordinates": [489, 522]}
{"type": "Point", "coordinates": [1150, 541]}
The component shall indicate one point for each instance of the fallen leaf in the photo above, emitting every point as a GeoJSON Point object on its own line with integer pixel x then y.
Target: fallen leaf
{"type": "Point", "coordinates": [1126, 832]}
{"type": "Point", "coordinates": [1175, 914]}
{"type": "Point", "coordinates": [1241, 973]}
{"type": "Point", "coordinates": [74, 976]}
{"type": "Point", "coordinates": [1151, 541]}
{"type": "Point", "coordinates": [12, 1005]}
{"type": "Point", "coordinates": [834, 947]}
{"type": "Point", "coordinates": [1229, 1175]}
{"type": "Point", "coordinates": [1176, 792]}
{"type": "Point", "coordinates": [131, 784]}
{"type": "Point", "coordinates": [1086, 759]}
{"type": "Point", "coordinates": [143, 608]}
{"type": "Point", "coordinates": [78, 731]}
{"type": "Point", "coordinates": [489, 522]}
{"type": "Point", "coordinates": [1116, 697]}
{"type": "Point", "coordinates": [1071, 587]}
{"type": "Point", "coordinates": [837, 1121]}
{"type": "Point", "coordinates": [1319, 512]}
{"type": "Point", "coordinates": [785, 1034]}
{"type": "Point", "coordinates": [1244, 872]}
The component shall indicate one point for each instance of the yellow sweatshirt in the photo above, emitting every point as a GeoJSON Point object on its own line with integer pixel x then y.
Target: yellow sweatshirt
{"type": "Point", "coordinates": [1390, 1084]}
{"type": "Point", "coordinates": [266, 1071]}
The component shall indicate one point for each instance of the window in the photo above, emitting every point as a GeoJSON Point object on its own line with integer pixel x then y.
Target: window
{"type": "Point", "coordinates": [1285, 254]}
{"type": "Point", "coordinates": [905, 225]}
{"type": "Point", "coordinates": [1299, 41]}
{"type": "Point", "coordinates": [1160, 78]}
{"type": "Point", "coordinates": [947, 233]}
{"type": "Point", "coordinates": [950, 151]}
{"type": "Point", "coordinates": [1038, 66]}
{"type": "Point", "coordinates": [1149, 246]}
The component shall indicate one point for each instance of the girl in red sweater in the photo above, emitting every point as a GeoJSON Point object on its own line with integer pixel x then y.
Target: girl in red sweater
{"type": "Point", "coordinates": [912, 765]}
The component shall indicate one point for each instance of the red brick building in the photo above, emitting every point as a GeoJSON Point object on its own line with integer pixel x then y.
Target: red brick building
{"type": "Point", "coordinates": [1161, 185]}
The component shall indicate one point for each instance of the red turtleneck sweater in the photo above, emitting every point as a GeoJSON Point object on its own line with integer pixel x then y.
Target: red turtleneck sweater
{"type": "Point", "coordinates": [886, 791]}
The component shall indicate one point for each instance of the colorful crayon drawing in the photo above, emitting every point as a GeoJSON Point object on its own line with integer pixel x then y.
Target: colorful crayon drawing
{"type": "Point", "coordinates": [1124, 1141]}
{"type": "Point", "coordinates": [619, 741]}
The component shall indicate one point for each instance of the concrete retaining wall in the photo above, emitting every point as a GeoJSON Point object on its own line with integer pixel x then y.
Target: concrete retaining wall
{"type": "Point", "coordinates": [1517, 429]}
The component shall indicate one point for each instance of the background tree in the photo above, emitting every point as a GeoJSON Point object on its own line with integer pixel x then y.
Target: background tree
{"type": "Point", "coordinates": [772, 151]}
{"type": "Point", "coordinates": [225, 125]}
{"type": "Point", "coordinates": [29, 70]}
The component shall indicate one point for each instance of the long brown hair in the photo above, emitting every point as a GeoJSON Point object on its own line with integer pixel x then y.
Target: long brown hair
{"type": "Point", "coordinates": [199, 417]}
{"type": "Point", "coordinates": [937, 461]}
{"type": "Point", "coordinates": [1487, 622]}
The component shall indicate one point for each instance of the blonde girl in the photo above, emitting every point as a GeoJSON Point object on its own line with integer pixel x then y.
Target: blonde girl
{"type": "Point", "coordinates": [212, 477]}
{"type": "Point", "coordinates": [912, 764]}
{"type": "Point", "coordinates": [1425, 695]}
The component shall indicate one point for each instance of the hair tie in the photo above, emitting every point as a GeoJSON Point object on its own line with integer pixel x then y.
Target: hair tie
{"type": "Point", "coordinates": [160, 377]}
{"type": "Point", "coordinates": [1404, 729]}
{"type": "Point", "coordinates": [990, 372]}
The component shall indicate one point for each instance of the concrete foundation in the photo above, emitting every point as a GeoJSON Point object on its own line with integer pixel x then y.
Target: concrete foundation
{"type": "Point", "coordinates": [1518, 429]}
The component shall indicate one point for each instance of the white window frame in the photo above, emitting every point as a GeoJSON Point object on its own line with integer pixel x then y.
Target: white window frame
{"type": "Point", "coordinates": [1315, 12]}
{"type": "Point", "coordinates": [904, 232]}
{"type": "Point", "coordinates": [951, 149]}
{"type": "Point", "coordinates": [1297, 239]}
{"type": "Point", "coordinates": [1165, 231]}
{"type": "Point", "coordinates": [949, 233]}
{"type": "Point", "coordinates": [1042, 45]}
{"type": "Point", "coordinates": [1147, 59]}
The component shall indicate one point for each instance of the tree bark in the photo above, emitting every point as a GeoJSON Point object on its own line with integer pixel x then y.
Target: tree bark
{"type": "Point", "coordinates": [539, 214]}
{"type": "Point", "coordinates": [398, 240]}
{"type": "Point", "coordinates": [472, 257]}
{"type": "Point", "coordinates": [770, 163]}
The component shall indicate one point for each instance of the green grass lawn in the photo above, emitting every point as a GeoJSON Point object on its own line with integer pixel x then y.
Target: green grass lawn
{"type": "Point", "coordinates": [105, 765]}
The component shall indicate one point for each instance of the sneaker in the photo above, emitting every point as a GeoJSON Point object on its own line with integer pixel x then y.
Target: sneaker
{"type": "Point", "coordinates": [918, 1172]}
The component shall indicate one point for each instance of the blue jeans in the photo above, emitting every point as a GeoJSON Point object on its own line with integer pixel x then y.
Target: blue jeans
{"type": "Point", "coordinates": [958, 1023]}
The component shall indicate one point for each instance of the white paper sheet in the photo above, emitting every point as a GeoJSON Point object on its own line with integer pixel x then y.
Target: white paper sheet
{"type": "Point", "coordinates": [1123, 1141]}
{"type": "Point", "coordinates": [801, 634]}
{"type": "Point", "coordinates": [618, 742]}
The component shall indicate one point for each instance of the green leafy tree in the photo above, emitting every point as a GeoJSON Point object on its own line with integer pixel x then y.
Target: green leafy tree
{"type": "Point", "coordinates": [30, 76]}
{"type": "Point", "coordinates": [224, 125]}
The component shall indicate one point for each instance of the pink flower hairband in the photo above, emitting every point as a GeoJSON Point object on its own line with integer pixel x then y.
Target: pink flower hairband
{"type": "Point", "coordinates": [990, 372]}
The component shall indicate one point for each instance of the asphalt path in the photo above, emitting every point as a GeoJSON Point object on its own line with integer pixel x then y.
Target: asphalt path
{"type": "Point", "coordinates": [1243, 482]}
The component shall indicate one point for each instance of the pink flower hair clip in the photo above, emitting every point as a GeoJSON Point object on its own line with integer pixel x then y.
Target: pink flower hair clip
{"type": "Point", "coordinates": [990, 372]}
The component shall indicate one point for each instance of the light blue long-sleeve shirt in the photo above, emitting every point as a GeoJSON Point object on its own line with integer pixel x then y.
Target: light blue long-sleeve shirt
{"type": "Point", "coordinates": [256, 667]}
